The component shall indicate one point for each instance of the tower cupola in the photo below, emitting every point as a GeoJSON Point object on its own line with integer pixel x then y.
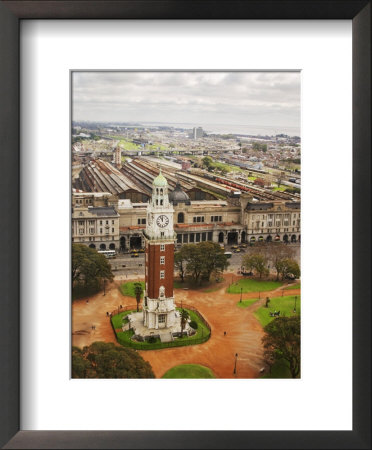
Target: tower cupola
{"type": "Point", "coordinates": [160, 192]}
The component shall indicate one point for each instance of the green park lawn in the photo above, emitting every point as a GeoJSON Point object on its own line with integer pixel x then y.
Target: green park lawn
{"type": "Point", "coordinates": [117, 320]}
{"type": "Point", "coordinates": [189, 371]}
{"type": "Point", "coordinates": [158, 146]}
{"type": "Point", "coordinates": [293, 286]}
{"type": "Point", "coordinates": [127, 145]}
{"type": "Point", "coordinates": [246, 303]}
{"type": "Point", "coordinates": [202, 334]}
{"type": "Point", "coordinates": [249, 285]}
{"type": "Point", "coordinates": [283, 304]}
{"type": "Point", "coordinates": [128, 288]}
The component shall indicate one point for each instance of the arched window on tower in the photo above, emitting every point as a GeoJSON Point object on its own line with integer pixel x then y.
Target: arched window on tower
{"type": "Point", "coordinates": [161, 202]}
{"type": "Point", "coordinates": [161, 191]}
{"type": "Point", "coordinates": [181, 217]}
{"type": "Point", "coordinates": [157, 191]}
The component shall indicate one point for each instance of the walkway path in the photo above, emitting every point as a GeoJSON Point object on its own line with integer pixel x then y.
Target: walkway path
{"type": "Point", "coordinates": [243, 331]}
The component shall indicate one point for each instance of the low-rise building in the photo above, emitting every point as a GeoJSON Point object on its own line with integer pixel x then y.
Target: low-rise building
{"type": "Point", "coordinates": [96, 226]}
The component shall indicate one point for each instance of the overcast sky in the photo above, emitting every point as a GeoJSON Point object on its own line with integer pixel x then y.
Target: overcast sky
{"type": "Point", "coordinates": [230, 98]}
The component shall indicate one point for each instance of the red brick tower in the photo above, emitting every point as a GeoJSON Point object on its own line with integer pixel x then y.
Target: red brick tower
{"type": "Point", "coordinates": [159, 308]}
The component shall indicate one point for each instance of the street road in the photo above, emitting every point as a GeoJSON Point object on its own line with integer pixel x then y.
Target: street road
{"type": "Point", "coordinates": [124, 264]}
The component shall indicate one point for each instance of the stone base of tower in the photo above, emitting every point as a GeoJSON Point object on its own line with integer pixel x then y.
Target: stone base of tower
{"type": "Point", "coordinates": [142, 332]}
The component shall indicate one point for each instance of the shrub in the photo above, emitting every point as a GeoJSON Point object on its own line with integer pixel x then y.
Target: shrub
{"type": "Point", "coordinates": [151, 340]}
{"type": "Point", "coordinates": [193, 324]}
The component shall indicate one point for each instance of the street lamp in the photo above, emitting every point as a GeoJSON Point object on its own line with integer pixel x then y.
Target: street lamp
{"type": "Point", "coordinates": [236, 357]}
{"type": "Point", "coordinates": [241, 293]}
{"type": "Point", "coordinates": [295, 304]}
{"type": "Point", "coordinates": [104, 286]}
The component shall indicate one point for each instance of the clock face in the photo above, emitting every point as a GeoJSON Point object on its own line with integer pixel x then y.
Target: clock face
{"type": "Point", "coordinates": [162, 221]}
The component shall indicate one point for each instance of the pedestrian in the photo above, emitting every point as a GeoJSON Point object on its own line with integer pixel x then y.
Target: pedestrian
{"type": "Point", "coordinates": [224, 333]}
{"type": "Point", "coordinates": [92, 327]}
{"type": "Point", "coordinates": [87, 301]}
{"type": "Point", "coordinates": [107, 314]}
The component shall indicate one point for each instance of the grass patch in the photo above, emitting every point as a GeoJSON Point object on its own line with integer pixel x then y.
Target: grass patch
{"type": "Point", "coordinates": [117, 320]}
{"type": "Point", "coordinates": [279, 189]}
{"type": "Point", "coordinates": [283, 304]}
{"type": "Point", "coordinates": [202, 335]}
{"type": "Point", "coordinates": [128, 288]}
{"type": "Point", "coordinates": [279, 370]}
{"type": "Point", "coordinates": [249, 285]}
{"type": "Point", "coordinates": [189, 371]}
{"type": "Point", "coordinates": [246, 303]}
{"type": "Point", "coordinates": [293, 286]}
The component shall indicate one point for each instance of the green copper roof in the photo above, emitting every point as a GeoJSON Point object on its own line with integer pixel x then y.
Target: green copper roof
{"type": "Point", "coordinates": [160, 180]}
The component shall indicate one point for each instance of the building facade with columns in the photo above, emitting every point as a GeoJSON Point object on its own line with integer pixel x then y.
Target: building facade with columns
{"type": "Point", "coordinates": [222, 221]}
{"type": "Point", "coordinates": [96, 226]}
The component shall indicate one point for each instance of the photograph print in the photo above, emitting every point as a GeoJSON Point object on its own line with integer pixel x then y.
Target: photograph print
{"type": "Point", "coordinates": [186, 224]}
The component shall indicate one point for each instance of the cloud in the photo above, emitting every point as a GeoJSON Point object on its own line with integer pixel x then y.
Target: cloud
{"type": "Point", "coordinates": [262, 98]}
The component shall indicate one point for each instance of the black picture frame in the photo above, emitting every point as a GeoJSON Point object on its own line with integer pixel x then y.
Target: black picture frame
{"type": "Point", "coordinates": [11, 12]}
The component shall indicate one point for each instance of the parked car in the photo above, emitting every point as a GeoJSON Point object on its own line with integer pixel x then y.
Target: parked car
{"type": "Point", "coordinates": [290, 276]}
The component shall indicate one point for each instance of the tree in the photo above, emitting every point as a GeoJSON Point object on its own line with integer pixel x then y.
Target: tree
{"type": "Point", "coordinates": [275, 252]}
{"type": "Point", "coordinates": [89, 267]}
{"type": "Point", "coordinates": [207, 161]}
{"type": "Point", "coordinates": [107, 360]}
{"type": "Point", "coordinates": [280, 178]}
{"type": "Point", "coordinates": [258, 262]}
{"type": "Point", "coordinates": [138, 291]}
{"type": "Point", "coordinates": [200, 261]}
{"type": "Point", "coordinates": [184, 317]}
{"type": "Point", "coordinates": [279, 251]}
{"type": "Point", "coordinates": [180, 262]}
{"type": "Point", "coordinates": [282, 340]}
{"type": "Point", "coordinates": [213, 258]}
{"type": "Point", "coordinates": [289, 266]}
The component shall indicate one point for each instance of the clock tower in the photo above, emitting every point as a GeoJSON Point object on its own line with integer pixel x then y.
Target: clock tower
{"type": "Point", "coordinates": [158, 305]}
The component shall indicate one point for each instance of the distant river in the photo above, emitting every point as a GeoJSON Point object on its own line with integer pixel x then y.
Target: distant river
{"type": "Point", "coordinates": [255, 130]}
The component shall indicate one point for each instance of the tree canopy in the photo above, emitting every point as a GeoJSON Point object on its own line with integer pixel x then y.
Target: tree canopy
{"type": "Point", "coordinates": [282, 340]}
{"type": "Point", "coordinates": [200, 261]}
{"type": "Point", "coordinates": [257, 262]}
{"type": "Point", "coordinates": [280, 255]}
{"type": "Point", "coordinates": [107, 360]}
{"type": "Point", "coordinates": [88, 266]}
